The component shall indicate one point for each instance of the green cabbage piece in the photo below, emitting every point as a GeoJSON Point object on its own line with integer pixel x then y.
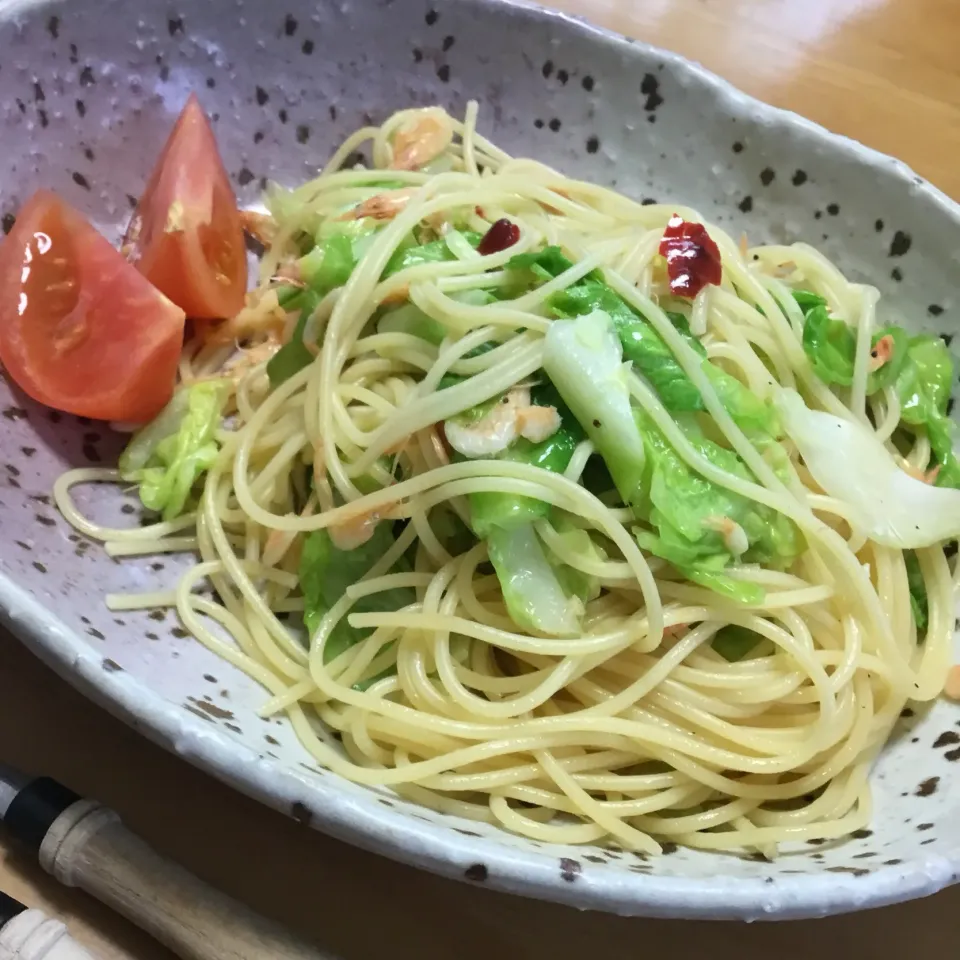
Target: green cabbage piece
{"type": "Point", "coordinates": [325, 573]}
{"type": "Point", "coordinates": [168, 456]}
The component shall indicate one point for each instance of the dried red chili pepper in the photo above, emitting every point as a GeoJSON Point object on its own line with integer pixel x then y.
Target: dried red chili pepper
{"type": "Point", "coordinates": [501, 235]}
{"type": "Point", "coordinates": [693, 259]}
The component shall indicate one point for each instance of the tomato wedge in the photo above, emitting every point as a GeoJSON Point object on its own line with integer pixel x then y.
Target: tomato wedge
{"type": "Point", "coordinates": [81, 330]}
{"type": "Point", "coordinates": [185, 235]}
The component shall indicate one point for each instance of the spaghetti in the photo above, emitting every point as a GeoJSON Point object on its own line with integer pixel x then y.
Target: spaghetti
{"type": "Point", "coordinates": [549, 646]}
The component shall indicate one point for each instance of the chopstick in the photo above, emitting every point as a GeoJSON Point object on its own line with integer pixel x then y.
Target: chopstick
{"type": "Point", "coordinates": [84, 844]}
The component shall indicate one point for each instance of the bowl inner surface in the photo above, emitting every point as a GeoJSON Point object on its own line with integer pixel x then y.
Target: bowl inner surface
{"type": "Point", "coordinates": [88, 92]}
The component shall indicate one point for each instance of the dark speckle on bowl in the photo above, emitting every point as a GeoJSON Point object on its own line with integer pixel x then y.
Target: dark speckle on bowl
{"type": "Point", "coordinates": [833, 209]}
{"type": "Point", "coordinates": [746, 204]}
{"type": "Point", "coordinates": [290, 24]}
{"type": "Point", "coordinates": [737, 147]}
{"type": "Point", "coordinates": [799, 178]}
{"type": "Point", "coordinates": [443, 72]}
{"type": "Point", "coordinates": [650, 88]}
{"type": "Point", "coordinates": [935, 310]}
{"type": "Point", "coordinates": [593, 144]}
{"type": "Point", "coordinates": [261, 96]}
{"type": "Point", "coordinates": [927, 787]}
{"type": "Point", "coordinates": [570, 869]}
{"type": "Point", "coordinates": [477, 872]}
{"type": "Point", "coordinates": [878, 226]}
{"type": "Point", "coordinates": [767, 175]}
{"type": "Point", "coordinates": [946, 739]}
{"type": "Point", "coordinates": [900, 243]}
{"type": "Point", "coordinates": [301, 813]}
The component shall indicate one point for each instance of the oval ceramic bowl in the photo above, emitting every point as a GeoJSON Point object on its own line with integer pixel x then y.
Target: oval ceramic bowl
{"type": "Point", "coordinates": [88, 90]}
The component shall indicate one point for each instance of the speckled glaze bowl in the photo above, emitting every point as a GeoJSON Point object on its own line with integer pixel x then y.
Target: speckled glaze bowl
{"type": "Point", "coordinates": [88, 90]}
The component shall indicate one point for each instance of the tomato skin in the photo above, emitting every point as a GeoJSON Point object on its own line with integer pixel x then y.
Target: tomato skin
{"type": "Point", "coordinates": [81, 330]}
{"type": "Point", "coordinates": [186, 235]}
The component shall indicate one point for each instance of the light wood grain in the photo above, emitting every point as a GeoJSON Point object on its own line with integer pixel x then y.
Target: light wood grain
{"type": "Point", "coordinates": [885, 73]}
{"type": "Point", "coordinates": [88, 847]}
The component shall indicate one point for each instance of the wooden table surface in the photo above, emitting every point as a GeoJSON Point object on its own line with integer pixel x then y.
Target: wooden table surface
{"type": "Point", "coordinates": [883, 71]}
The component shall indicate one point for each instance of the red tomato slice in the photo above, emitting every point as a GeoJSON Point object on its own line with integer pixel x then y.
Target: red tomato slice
{"type": "Point", "coordinates": [81, 330]}
{"type": "Point", "coordinates": [185, 235]}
